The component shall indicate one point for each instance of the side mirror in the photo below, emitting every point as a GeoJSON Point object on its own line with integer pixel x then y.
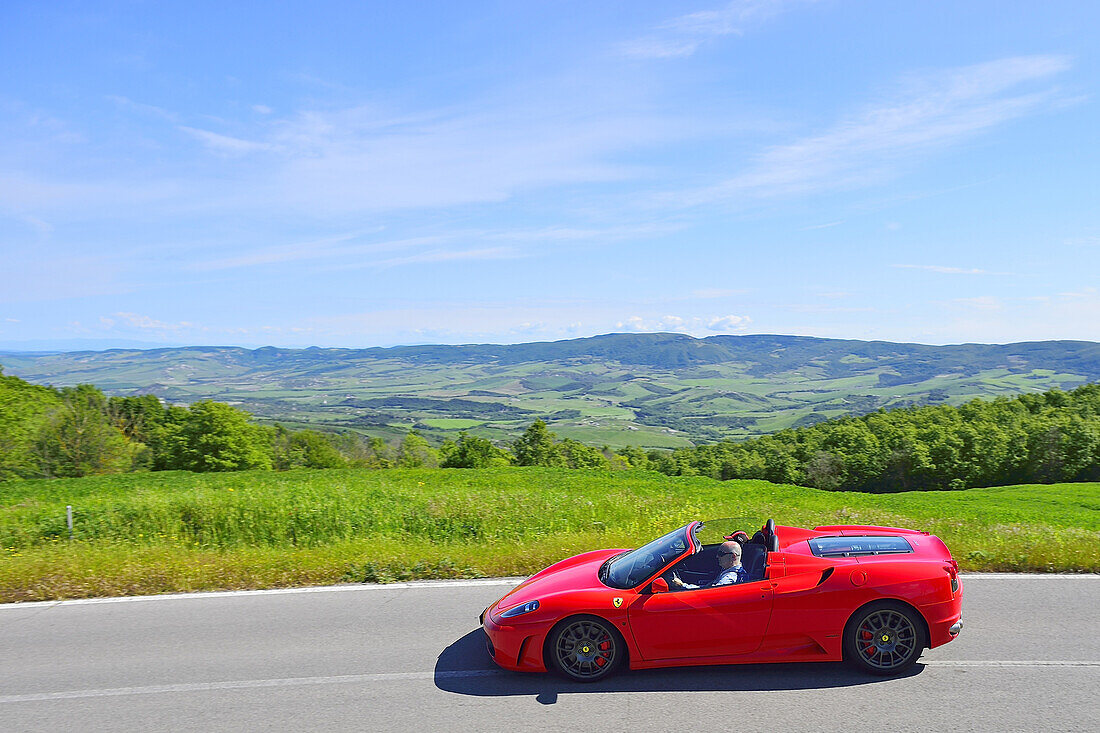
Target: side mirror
{"type": "Point", "coordinates": [659, 585]}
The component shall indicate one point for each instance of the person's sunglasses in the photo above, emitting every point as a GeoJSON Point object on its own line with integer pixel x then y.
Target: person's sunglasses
{"type": "Point", "coordinates": [726, 553]}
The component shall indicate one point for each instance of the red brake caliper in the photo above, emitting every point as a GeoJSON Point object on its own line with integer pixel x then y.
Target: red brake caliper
{"type": "Point", "coordinates": [603, 646]}
{"type": "Point", "coordinates": [866, 636]}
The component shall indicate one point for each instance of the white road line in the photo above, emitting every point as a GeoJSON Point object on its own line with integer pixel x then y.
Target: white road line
{"type": "Point", "coordinates": [401, 676]}
{"type": "Point", "coordinates": [430, 584]}
{"type": "Point", "coordinates": [1005, 663]}
{"type": "Point", "coordinates": [247, 684]}
{"type": "Point", "coordinates": [422, 584]}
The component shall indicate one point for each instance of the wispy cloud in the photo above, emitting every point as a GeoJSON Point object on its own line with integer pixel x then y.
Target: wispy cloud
{"type": "Point", "coordinates": [928, 112]}
{"type": "Point", "coordinates": [151, 110]}
{"type": "Point", "coordinates": [449, 255]}
{"type": "Point", "coordinates": [980, 303]}
{"type": "Point", "coordinates": [710, 293]}
{"type": "Point", "coordinates": [828, 225]}
{"type": "Point", "coordinates": [225, 143]}
{"type": "Point", "coordinates": [315, 249]}
{"type": "Point", "coordinates": [683, 36]}
{"type": "Point", "coordinates": [947, 270]}
{"type": "Point", "coordinates": [358, 249]}
{"type": "Point", "coordinates": [568, 234]}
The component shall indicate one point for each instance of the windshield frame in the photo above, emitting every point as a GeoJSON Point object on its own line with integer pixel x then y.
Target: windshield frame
{"type": "Point", "coordinates": [652, 548]}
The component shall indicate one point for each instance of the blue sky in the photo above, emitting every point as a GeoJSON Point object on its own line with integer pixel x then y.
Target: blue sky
{"type": "Point", "coordinates": [332, 174]}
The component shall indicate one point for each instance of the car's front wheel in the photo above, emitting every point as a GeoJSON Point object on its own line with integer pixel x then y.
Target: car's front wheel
{"type": "Point", "coordinates": [884, 638]}
{"type": "Point", "coordinates": [584, 648]}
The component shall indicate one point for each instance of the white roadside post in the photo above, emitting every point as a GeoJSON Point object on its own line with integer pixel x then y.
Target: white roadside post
{"type": "Point", "coordinates": [69, 517]}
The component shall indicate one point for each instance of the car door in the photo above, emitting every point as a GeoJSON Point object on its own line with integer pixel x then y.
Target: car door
{"type": "Point", "coordinates": [708, 622]}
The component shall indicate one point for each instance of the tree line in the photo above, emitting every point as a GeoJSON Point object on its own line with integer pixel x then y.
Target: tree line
{"type": "Point", "coordinates": [80, 431]}
{"type": "Point", "coordinates": [1034, 438]}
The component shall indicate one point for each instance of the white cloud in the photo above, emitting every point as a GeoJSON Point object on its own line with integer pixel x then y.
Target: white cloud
{"type": "Point", "coordinates": [728, 323]}
{"type": "Point", "coordinates": [928, 112]}
{"type": "Point", "coordinates": [262, 109]}
{"type": "Point", "coordinates": [683, 36]}
{"type": "Point", "coordinates": [145, 323]}
{"type": "Point", "coordinates": [694, 325]}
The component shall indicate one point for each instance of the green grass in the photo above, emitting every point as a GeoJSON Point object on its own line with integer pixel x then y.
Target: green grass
{"type": "Point", "coordinates": [174, 531]}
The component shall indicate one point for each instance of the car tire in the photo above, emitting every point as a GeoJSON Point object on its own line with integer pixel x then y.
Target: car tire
{"type": "Point", "coordinates": [884, 638]}
{"type": "Point", "coordinates": [584, 648]}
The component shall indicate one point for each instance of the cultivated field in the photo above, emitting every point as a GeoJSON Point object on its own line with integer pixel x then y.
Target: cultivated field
{"type": "Point", "coordinates": [176, 531]}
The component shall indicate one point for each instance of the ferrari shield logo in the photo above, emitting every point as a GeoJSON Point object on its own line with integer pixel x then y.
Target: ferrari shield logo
{"type": "Point", "coordinates": [617, 602]}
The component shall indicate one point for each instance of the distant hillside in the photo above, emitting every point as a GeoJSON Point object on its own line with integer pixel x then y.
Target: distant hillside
{"type": "Point", "coordinates": [653, 390]}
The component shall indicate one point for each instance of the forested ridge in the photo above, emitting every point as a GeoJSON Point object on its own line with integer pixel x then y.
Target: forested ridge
{"type": "Point", "coordinates": [1034, 438]}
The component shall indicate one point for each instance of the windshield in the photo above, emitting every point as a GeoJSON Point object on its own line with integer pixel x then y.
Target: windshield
{"type": "Point", "coordinates": [716, 531]}
{"type": "Point", "coordinates": [636, 566]}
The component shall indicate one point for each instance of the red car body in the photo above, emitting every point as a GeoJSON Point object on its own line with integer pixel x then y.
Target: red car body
{"type": "Point", "coordinates": [797, 612]}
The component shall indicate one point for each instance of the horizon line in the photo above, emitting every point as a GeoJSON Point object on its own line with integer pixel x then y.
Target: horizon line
{"type": "Point", "coordinates": [41, 347]}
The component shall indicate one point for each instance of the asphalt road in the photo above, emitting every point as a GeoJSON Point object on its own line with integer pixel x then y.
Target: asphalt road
{"type": "Point", "coordinates": [410, 658]}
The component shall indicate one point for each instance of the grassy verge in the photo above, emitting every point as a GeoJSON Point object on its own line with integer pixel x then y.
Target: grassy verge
{"type": "Point", "coordinates": [164, 532]}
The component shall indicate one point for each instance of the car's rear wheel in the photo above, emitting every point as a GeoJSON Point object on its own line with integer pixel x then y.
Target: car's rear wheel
{"type": "Point", "coordinates": [584, 648]}
{"type": "Point", "coordinates": [884, 638]}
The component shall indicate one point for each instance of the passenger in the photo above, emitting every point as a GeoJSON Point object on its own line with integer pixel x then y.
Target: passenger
{"type": "Point", "coordinates": [729, 569]}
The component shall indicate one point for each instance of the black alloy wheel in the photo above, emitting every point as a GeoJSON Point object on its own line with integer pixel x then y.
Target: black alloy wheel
{"type": "Point", "coordinates": [884, 638]}
{"type": "Point", "coordinates": [584, 648]}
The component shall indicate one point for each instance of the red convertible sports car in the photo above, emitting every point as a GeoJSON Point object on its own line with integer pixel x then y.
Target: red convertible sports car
{"type": "Point", "coordinates": [874, 596]}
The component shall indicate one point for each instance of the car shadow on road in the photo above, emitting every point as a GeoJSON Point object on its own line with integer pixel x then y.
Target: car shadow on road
{"type": "Point", "coordinates": [465, 668]}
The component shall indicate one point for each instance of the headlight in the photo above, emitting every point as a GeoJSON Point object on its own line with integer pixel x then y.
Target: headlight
{"type": "Point", "coordinates": [521, 609]}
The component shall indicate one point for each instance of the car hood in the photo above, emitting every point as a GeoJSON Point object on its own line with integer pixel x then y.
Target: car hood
{"type": "Point", "coordinates": [580, 572]}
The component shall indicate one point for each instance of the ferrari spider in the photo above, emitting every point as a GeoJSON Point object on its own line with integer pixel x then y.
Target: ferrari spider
{"type": "Point", "coordinates": [876, 597]}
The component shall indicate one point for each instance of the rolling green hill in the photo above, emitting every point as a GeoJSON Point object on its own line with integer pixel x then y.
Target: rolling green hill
{"type": "Point", "coordinates": [651, 390]}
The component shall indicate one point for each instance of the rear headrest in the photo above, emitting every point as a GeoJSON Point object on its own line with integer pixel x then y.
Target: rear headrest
{"type": "Point", "coordinates": [753, 560]}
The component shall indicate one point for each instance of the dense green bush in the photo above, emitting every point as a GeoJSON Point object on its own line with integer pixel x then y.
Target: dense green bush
{"type": "Point", "coordinates": [1033, 438]}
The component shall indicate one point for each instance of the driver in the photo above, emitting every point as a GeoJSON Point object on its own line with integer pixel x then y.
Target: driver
{"type": "Point", "coordinates": [729, 568]}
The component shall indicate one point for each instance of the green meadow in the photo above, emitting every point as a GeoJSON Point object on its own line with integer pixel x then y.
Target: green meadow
{"type": "Point", "coordinates": [175, 531]}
